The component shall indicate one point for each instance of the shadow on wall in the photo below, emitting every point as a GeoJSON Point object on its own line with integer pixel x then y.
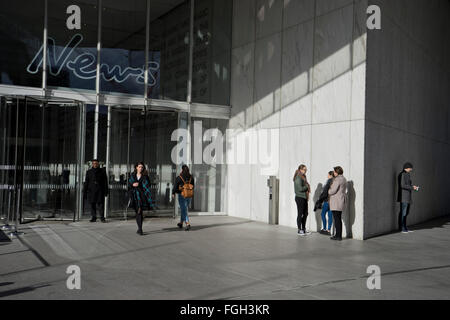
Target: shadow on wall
{"type": "Point", "coordinates": [318, 213]}
{"type": "Point", "coordinates": [395, 205]}
{"type": "Point", "coordinates": [349, 215]}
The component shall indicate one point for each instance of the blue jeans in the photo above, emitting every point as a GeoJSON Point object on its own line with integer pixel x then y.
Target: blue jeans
{"type": "Point", "coordinates": [325, 210]}
{"type": "Point", "coordinates": [184, 204]}
{"type": "Point", "coordinates": [404, 212]}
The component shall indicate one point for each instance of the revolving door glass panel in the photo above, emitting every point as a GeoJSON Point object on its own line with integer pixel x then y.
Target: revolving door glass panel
{"type": "Point", "coordinates": [40, 157]}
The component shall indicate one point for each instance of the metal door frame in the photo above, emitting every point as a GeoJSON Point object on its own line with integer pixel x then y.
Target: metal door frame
{"type": "Point", "coordinates": [19, 164]}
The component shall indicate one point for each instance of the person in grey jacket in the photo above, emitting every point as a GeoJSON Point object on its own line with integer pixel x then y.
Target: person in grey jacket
{"type": "Point", "coordinates": [337, 200]}
{"type": "Point", "coordinates": [405, 188]}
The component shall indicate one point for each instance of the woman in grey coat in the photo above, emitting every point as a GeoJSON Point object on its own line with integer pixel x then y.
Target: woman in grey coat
{"type": "Point", "coordinates": [337, 200]}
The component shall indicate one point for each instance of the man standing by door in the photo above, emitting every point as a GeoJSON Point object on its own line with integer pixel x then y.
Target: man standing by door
{"type": "Point", "coordinates": [96, 189]}
{"type": "Point", "coordinates": [405, 188]}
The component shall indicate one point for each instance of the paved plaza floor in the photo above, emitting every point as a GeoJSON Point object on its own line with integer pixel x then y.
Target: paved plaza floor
{"type": "Point", "coordinates": [220, 258]}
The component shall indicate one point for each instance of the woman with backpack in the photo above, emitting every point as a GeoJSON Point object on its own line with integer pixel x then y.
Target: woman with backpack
{"type": "Point", "coordinates": [139, 192]}
{"type": "Point", "coordinates": [184, 186]}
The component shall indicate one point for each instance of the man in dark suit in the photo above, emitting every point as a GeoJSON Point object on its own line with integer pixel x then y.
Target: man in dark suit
{"type": "Point", "coordinates": [405, 188]}
{"type": "Point", "coordinates": [96, 189]}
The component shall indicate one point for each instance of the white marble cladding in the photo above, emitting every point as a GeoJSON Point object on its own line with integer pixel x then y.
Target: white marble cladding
{"type": "Point", "coordinates": [302, 73]}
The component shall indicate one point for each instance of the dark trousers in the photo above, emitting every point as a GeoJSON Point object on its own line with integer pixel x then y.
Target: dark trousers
{"type": "Point", "coordinates": [139, 218]}
{"type": "Point", "coordinates": [403, 214]}
{"type": "Point", "coordinates": [302, 212]}
{"type": "Point", "coordinates": [101, 210]}
{"type": "Point", "coordinates": [337, 220]}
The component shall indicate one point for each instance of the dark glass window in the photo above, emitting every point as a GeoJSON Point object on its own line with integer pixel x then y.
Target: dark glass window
{"type": "Point", "coordinates": [21, 33]}
{"type": "Point", "coordinates": [123, 46]}
{"type": "Point", "coordinates": [72, 53]}
{"type": "Point", "coordinates": [212, 52]}
{"type": "Point", "coordinates": [169, 49]}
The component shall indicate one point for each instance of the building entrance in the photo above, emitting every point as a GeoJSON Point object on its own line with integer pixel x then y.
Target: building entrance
{"type": "Point", "coordinates": [134, 135]}
{"type": "Point", "coordinates": [39, 158]}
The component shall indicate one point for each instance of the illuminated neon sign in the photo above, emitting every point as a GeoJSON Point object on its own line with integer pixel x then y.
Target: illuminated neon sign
{"type": "Point", "coordinates": [84, 66]}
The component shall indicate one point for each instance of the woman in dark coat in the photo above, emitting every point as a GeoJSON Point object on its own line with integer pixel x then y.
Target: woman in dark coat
{"type": "Point", "coordinates": [140, 195]}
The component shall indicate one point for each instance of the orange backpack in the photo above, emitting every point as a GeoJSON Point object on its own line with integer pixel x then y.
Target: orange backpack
{"type": "Point", "coordinates": [187, 190]}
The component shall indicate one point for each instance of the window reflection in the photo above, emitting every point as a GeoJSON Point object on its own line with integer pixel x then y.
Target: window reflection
{"type": "Point", "coordinates": [21, 31]}
{"type": "Point", "coordinates": [72, 53]}
{"type": "Point", "coordinates": [123, 46]}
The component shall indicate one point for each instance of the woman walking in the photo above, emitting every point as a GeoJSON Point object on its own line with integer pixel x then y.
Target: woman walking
{"type": "Point", "coordinates": [337, 200]}
{"type": "Point", "coordinates": [302, 190]}
{"type": "Point", "coordinates": [184, 187]}
{"type": "Point", "coordinates": [139, 189]}
{"type": "Point", "coordinates": [323, 202]}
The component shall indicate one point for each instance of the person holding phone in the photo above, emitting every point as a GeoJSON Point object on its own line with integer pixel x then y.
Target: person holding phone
{"type": "Point", "coordinates": [404, 197]}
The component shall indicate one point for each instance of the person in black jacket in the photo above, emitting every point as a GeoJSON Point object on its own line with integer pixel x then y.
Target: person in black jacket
{"type": "Point", "coordinates": [405, 188]}
{"type": "Point", "coordinates": [96, 189]}
{"type": "Point", "coordinates": [184, 177]}
{"type": "Point", "coordinates": [322, 203]}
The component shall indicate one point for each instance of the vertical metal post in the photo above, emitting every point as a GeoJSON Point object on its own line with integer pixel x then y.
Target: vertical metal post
{"type": "Point", "coordinates": [17, 197]}
{"type": "Point", "coordinates": [128, 154]}
{"type": "Point", "coordinates": [44, 52]}
{"type": "Point", "coordinates": [5, 160]}
{"type": "Point", "coordinates": [81, 155]}
{"type": "Point", "coordinates": [191, 53]}
{"type": "Point", "coordinates": [97, 78]}
{"type": "Point", "coordinates": [147, 46]}
{"type": "Point", "coordinates": [108, 150]}
{"type": "Point", "coordinates": [16, 151]}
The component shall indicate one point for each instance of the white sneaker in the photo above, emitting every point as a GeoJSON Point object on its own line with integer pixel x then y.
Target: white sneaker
{"type": "Point", "coordinates": [307, 233]}
{"type": "Point", "coordinates": [301, 233]}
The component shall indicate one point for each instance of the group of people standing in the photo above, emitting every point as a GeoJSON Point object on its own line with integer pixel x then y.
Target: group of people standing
{"type": "Point", "coordinates": [140, 196]}
{"type": "Point", "coordinates": [332, 201]}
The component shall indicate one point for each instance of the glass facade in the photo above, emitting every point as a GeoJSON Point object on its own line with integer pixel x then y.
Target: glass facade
{"type": "Point", "coordinates": [21, 34]}
{"type": "Point", "coordinates": [212, 52]}
{"type": "Point", "coordinates": [72, 53]}
{"type": "Point", "coordinates": [210, 174]}
{"type": "Point", "coordinates": [96, 51]}
{"type": "Point", "coordinates": [123, 46]}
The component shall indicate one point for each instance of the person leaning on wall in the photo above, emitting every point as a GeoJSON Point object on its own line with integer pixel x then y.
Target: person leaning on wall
{"type": "Point", "coordinates": [337, 200]}
{"type": "Point", "coordinates": [405, 188]}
